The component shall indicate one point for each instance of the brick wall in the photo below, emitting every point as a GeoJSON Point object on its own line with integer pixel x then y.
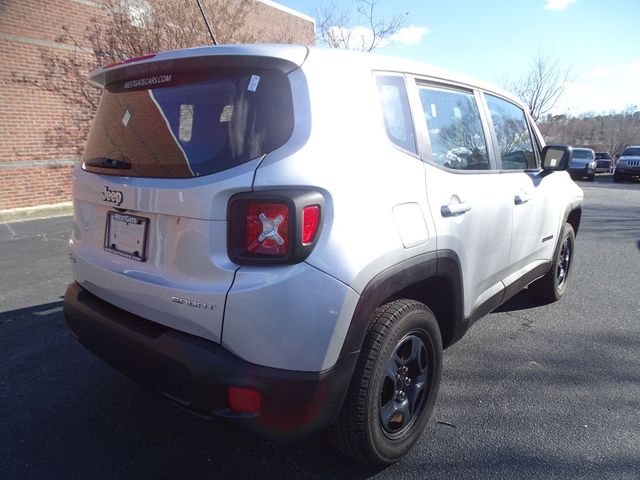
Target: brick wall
{"type": "Point", "coordinates": [41, 135]}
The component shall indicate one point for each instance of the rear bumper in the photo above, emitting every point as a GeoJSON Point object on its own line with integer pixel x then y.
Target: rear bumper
{"type": "Point", "coordinates": [194, 373]}
{"type": "Point", "coordinates": [581, 171]}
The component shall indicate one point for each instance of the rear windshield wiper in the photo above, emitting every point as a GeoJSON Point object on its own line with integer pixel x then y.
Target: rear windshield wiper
{"type": "Point", "coordinates": [104, 162]}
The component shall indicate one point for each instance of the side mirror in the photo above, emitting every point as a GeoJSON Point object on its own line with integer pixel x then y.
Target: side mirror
{"type": "Point", "coordinates": [556, 157]}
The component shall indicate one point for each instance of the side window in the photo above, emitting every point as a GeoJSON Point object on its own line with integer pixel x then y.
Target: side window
{"type": "Point", "coordinates": [455, 129]}
{"type": "Point", "coordinates": [512, 133]}
{"type": "Point", "coordinates": [397, 115]}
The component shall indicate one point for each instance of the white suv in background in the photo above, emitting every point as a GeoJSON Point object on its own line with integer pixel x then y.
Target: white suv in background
{"type": "Point", "coordinates": [290, 236]}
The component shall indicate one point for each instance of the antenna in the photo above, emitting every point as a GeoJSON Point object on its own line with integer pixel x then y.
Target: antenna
{"type": "Point", "coordinates": [206, 22]}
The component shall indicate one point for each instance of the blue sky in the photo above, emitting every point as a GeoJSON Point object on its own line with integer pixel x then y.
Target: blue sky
{"type": "Point", "coordinates": [494, 39]}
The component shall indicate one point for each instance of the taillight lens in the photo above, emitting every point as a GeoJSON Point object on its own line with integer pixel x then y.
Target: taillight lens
{"type": "Point", "coordinates": [310, 223]}
{"type": "Point", "coordinates": [267, 229]}
{"type": "Point", "coordinates": [273, 227]}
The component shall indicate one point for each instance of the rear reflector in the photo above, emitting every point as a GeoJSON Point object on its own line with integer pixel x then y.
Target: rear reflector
{"type": "Point", "coordinates": [267, 229]}
{"type": "Point", "coordinates": [310, 223]}
{"type": "Point", "coordinates": [244, 400]}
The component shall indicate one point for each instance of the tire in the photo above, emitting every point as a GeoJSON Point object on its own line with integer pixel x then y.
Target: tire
{"type": "Point", "coordinates": [553, 285]}
{"type": "Point", "coordinates": [394, 386]}
{"type": "Point", "coordinates": [592, 177]}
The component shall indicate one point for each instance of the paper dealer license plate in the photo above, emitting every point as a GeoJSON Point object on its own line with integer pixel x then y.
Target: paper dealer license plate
{"type": "Point", "coordinates": [126, 235]}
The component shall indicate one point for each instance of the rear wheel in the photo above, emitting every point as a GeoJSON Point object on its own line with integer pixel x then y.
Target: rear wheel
{"type": "Point", "coordinates": [394, 386]}
{"type": "Point", "coordinates": [552, 286]}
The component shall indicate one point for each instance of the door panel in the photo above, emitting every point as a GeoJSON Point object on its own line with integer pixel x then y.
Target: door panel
{"type": "Point", "coordinates": [534, 228]}
{"type": "Point", "coordinates": [471, 206]}
{"type": "Point", "coordinates": [480, 235]}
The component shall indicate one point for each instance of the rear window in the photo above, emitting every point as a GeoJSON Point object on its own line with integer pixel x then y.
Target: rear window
{"type": "Point", "coordinates": [189, 125]}
{"type": "Point", "coordinates": [584, 154]}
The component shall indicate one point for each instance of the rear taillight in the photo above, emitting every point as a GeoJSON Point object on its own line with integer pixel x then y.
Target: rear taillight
{"type": "Point", "coordinates": [267, 229]}
{"type": "Point", "coordinates": [273, 227]}
{"type": "Point", "coordinates": [310, 223]}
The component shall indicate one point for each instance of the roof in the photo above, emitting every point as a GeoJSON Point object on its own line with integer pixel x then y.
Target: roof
{"type": "Point", "coordinates": [293, 55]}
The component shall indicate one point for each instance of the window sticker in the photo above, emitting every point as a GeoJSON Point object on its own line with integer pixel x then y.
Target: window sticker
{"type": "Point", "coordinates": [186, 123]}
{"type": "Point", "coordinates": [227, 113]}
{"type": "Point", "coordinates": [434, 111]}
{"type": "Point", "coordinates": [126, 118]}
{"type": "Point", "coordinates": [554, 162]}
{"type": "Point", "coordinates": [253, 83]}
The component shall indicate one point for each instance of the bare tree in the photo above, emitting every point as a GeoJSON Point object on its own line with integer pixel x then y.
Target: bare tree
{"type": "Point", "coordinates": [610, 132]}
{"type": "Point", "coordinates": [122, 29]}
{"type": "Point", "coordinates": [542, 85]}
{"type": "Point", "coordinates": [361, 30]}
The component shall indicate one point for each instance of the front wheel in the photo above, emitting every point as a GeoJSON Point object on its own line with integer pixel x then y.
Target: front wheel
{"type": "Point", "coordinates": [394, 386]}
{"type": "Point", "coordinates": [552, 286]}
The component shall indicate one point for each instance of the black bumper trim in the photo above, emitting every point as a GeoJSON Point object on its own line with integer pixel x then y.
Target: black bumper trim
{"type": "Point", "coordinates": [194, 373]}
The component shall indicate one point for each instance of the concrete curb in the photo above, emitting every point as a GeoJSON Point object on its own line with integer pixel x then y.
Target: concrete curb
{"type": "Point", "coordinates": [33, 213]}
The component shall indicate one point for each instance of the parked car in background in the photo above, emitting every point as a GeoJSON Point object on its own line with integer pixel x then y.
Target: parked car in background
{"type": "Point", "coordinates": [583, 164]}
{"type": "Point", "coordinates": [603, 162]}
{"type": "Point", "coordinates": [628, 165]}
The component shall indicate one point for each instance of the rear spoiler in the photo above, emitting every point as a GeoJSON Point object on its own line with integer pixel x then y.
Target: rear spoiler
{"type": "Point", "coordinates": [284, 58]}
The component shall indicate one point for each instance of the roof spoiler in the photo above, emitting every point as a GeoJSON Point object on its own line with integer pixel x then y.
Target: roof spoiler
{"type": "Point", "coordinates": [284, 58]}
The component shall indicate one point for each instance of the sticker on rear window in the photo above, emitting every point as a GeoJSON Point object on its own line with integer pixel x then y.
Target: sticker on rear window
{"type": "Point", "coordinates": [185, 127]}
{"type": "Point", "coordinates": [227, 113]}
{"type": "Point", "coordinates": [253, 83]}
{"type": "Point", "coordinates": [126, 117]}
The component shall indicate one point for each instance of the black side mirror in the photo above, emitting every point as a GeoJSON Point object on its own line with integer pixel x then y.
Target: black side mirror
{"type": "Point", "coordinates": [556, 157]}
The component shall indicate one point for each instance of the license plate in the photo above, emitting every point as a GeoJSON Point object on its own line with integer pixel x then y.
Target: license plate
{"type": "Point", "coordinates": [126, 235]}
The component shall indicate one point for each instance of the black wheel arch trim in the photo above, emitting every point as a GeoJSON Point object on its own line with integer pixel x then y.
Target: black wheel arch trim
{"type": "Point", "coordinates": [441, 263]}
{"type": "Point", "coordinates": [572, 215]}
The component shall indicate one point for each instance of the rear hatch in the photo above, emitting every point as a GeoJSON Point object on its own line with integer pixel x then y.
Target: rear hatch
{"type": "Point", "coordinates": [175, 136]}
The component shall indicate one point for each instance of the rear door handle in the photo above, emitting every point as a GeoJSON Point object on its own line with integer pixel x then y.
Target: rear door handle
{"type": "Point", "coordinates": [453, 210]}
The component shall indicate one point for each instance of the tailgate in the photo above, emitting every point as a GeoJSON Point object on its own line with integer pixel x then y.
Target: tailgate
{"type": "Point", "coordinates": [173, 139]}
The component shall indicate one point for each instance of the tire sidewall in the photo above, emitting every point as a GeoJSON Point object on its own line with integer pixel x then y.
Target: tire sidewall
{"type": "Point", "coordinates": [419, 321]}
{"type": "Point", "coordinates": [567, 232]}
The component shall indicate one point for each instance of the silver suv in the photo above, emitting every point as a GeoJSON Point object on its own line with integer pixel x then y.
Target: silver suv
{"type": "Point", "coordinates": [628, 165]}
{"type": "Point", "coordinates": [290, 236]}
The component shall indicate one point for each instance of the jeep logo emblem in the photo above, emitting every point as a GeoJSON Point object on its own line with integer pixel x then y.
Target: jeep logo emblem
{"type": "Point", "coordinates": [112, 196]}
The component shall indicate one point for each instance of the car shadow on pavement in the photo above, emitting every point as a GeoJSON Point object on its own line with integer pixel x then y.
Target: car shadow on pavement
{"type": "Point", "coordinates": [523, 300]}
{"type": "Point", "coordinates": [66, 414]}
{"type": "Point", "coordinates": [35, 311]}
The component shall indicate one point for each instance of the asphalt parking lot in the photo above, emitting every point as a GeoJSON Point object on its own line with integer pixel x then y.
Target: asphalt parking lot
{"type": "Point", "coordinates": [532, 391]}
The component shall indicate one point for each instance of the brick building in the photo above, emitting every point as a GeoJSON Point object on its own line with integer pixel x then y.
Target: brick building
{"type": "Point", "coordinates": [41, 135]}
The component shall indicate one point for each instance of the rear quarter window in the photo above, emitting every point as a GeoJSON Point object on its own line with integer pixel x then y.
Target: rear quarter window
{"type": "Point", "coordinates": [396, 111]}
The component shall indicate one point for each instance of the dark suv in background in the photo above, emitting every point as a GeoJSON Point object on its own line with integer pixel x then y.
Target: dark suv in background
{"type": "Point", "coordinates": [628, 165]}
{"type": "Point", "coordinates": [603, 162]}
